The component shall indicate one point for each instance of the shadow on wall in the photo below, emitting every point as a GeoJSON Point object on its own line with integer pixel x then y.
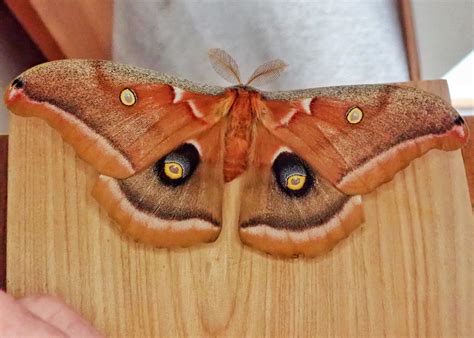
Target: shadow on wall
{"type": "Point", "coordinates": [17, 53]}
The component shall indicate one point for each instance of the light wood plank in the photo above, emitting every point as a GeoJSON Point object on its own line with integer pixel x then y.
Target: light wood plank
{"type": "Point", "coordinates": [3, 208]}
{"type": "Point", "coordinates": [468, 157]}
{"type": "Point", "coordinates": [408, 270]}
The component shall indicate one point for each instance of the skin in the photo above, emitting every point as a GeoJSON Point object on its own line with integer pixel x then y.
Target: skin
{"type": "Point", "coordinates": [41, 316]}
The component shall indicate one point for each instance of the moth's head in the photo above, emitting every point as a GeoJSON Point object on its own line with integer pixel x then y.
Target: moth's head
{"type": "Point", "coordinates": [246, 88]}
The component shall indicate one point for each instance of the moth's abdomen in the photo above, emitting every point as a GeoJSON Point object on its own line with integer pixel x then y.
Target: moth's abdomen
{"type": "Point", "coordinates": [238, 136]}
{"type": "Point", "coordinates": [235, 162]}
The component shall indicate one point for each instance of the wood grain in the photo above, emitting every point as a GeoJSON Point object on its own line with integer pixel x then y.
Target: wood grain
{"type": "Point", "coordinates": [71, 29]}
{"type": "Point", "coordinates": [3, 207]}
{"type": "Point", "coordinates": [408, 270]}
{"type": "Point", "coordinates": [468, 157]}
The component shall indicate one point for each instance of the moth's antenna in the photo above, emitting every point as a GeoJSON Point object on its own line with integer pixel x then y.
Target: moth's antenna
{"type": "Point", "coordinates": [267, 72]}
{"type": "Point", "coordinates": [224, 65]}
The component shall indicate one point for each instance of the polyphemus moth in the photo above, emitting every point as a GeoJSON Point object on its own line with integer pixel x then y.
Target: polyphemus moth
{"type": "Point", "coordinates": [165, 147]}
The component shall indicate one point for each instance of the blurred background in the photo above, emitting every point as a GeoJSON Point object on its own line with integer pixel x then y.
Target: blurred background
{"type": "Point", "coordinates": [324, 42]}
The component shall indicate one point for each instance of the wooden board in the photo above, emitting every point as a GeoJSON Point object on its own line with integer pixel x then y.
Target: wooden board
{"type": "Point", "coordinates": [468, 157]}
{"type": "Point", "coordinates": [3, 207]}
{"type": "Point", "coordinates": [409, 270]}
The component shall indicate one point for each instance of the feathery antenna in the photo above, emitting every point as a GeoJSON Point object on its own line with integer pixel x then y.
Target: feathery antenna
{"type": "Point", "coordinates": [224, 65]}
{"type": "Point", "coordinates": [227, 68]}
{"type": "Point", "coordinates": [267, 72]}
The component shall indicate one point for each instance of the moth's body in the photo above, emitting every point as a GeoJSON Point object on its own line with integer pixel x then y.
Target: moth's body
{"type": "Point", "coordinates": [238, 134]}
{"type": "Point", "coordinates": [242, 118]}
{"type": "Point", "coordinates": [165, 148]}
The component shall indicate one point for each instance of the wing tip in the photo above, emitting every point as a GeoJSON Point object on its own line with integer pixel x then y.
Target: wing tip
{"type": "Point", "coordinates": [383, 167]}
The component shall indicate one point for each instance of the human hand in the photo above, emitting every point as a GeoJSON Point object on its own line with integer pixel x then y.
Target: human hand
{"type": "Point", "coordinates": [41, 316]}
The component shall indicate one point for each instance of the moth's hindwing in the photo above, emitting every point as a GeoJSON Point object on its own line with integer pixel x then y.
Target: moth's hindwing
{"type": "Point", "coordinates": [288, 208]}
{"type": "Point", "coordinates": [175, 202]}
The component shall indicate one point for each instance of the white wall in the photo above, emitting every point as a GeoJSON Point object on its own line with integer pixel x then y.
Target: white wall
{"type": "Point", "coordinates": [324, 42]}
{"type": "Point", "coordinates": [445, 34]}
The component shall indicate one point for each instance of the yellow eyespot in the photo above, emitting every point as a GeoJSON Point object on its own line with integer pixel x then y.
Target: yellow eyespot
{"type": "Point", "coordinates": [128, 97]}
{"type": "Point", "coordinates": [295, 182]}
{"type": "Point", "coordinates": [173, 170]}
{"type": "Point", "coordinates": [354, 115]}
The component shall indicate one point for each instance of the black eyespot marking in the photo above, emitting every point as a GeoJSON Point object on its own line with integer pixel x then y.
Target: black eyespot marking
{"type": "Point", "coordinates": [178, 166]}
{"type": "Point", "coordinates": [292, 174]}
{"type": "Point", "coordinates": [18, 83]}
{"type": "Point", "coordinates": [459, 120]}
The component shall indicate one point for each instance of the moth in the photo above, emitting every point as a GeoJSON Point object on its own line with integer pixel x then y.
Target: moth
{"type": "Point", "coordinates": [165, 148]}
